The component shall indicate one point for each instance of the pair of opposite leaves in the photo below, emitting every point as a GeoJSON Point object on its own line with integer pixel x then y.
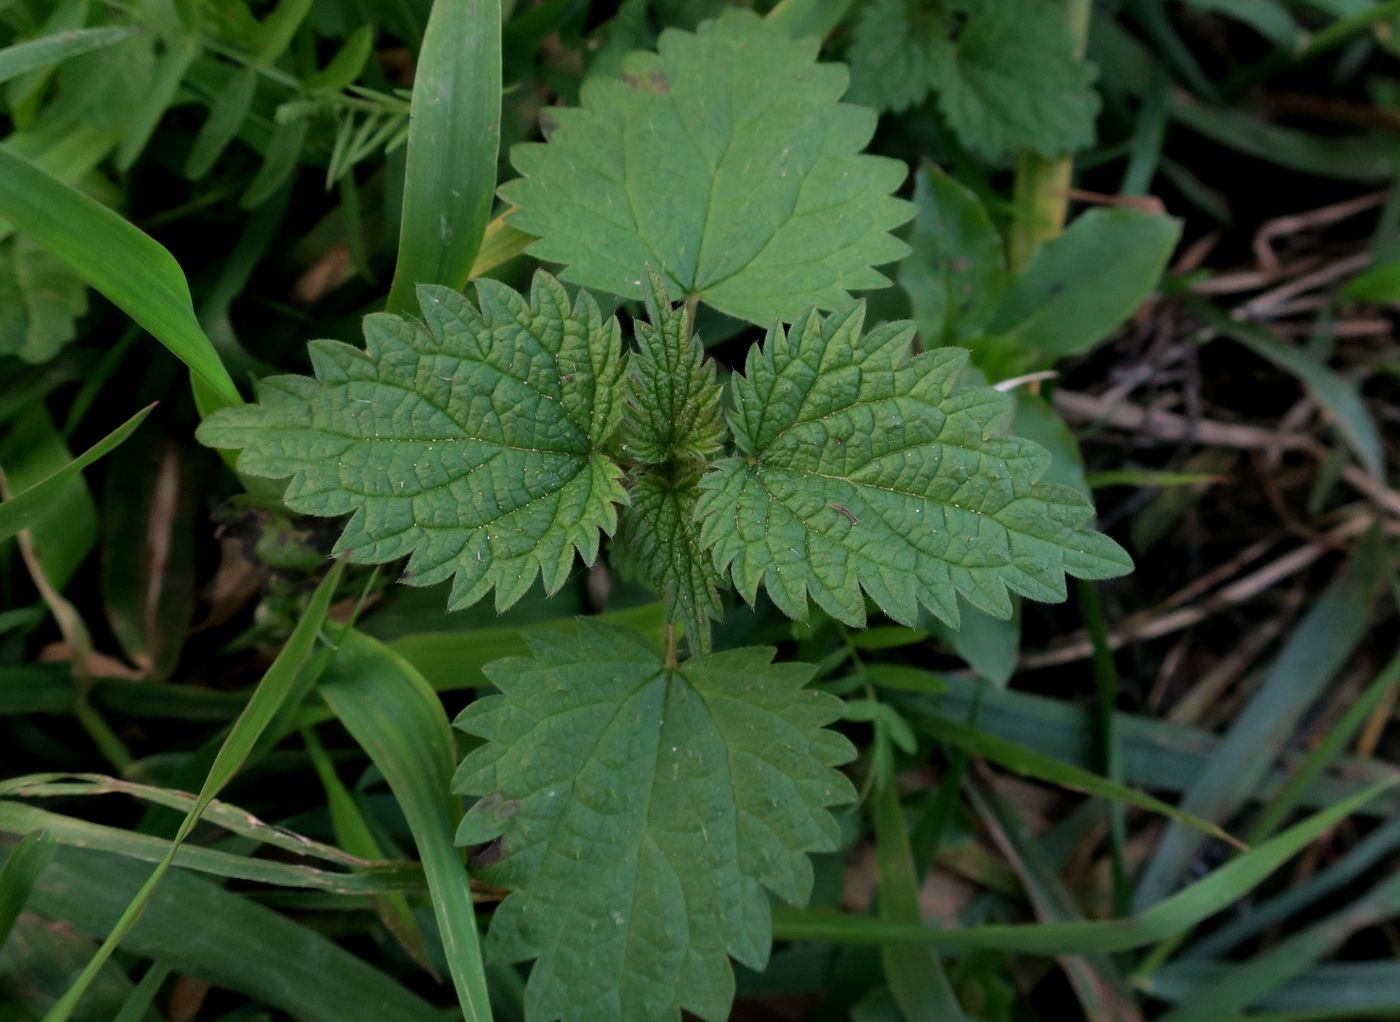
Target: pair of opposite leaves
{"type": "Point", "coordinates": [642, 810]}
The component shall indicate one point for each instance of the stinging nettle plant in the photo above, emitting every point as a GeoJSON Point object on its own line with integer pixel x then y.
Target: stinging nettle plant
{"type": "Point", "coordinates": [639, 797]}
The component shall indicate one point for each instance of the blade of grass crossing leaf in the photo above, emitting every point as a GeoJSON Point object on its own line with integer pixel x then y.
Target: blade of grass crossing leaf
{"type": "Point", "coordinates": [240, 741]}
{"type": "Point", "coordinates": [353, 833]}
{"type": "Point", "coordinates": [241, 945]}
{"type": "Point", "coordinates": [1029, 763]}
{"type": "Point", "coordinates": [1319, 646]}
{"type": "Point", "coordinates": [25, 509]}
{"type": "Point", "coordinates": [134, 272]}
{"type": "Point", "coordinates": [397, 719]}
{"type": "Point", "coordinates": [453, 144]}
{"type": "Point", "coordinates": [1162, 921]}
{"type": "Point", "coordinates": [1097, 982]}
{"type": "Point", "coordinates": [20, 873]}
{"type": "Point", "coordinates": [1328, 749]}
{"type": "Point", "coordinates": [54, 49]}
{"type": "Point", "coordinates": [915, 974]}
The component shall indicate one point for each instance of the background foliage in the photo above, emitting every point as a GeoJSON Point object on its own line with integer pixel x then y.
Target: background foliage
{"type": "Point", "coordinates": [1166, 230]}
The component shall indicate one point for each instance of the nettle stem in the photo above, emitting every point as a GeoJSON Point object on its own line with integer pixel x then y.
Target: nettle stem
{"type": "Point", "coordinates": [1041, 190]}
{"type": "Point", "coordinates": [672, 643]}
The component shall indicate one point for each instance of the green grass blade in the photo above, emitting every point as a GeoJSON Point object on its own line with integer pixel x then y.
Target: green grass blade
{"type": "Point", "coordinates": [1162, 921]}
{"type": "Point", "coordinates": [454, 139]}
{"type": "Point", "coordinates": [1157, 754]}
{"type": "Point", "coordinates": [353, 831]}
{"type": "Point", "coordinates": [261, 708]}
{"type": "Point", "coordinates": [915, 974]}
{"type": "Point", "coordinates": [1347, 991]}
{"type": "Point", "coordinates": [220, 814]}
{"type": "Point", "coordinates": [135, 272]}
{"type": "Point", "coordinates": [1319, 646]}
{"type": "Point", "coordinates": [241, 945]}
{"type": "Point", "coordinates": [1375, 848]}
{"type": "Point", "coordinates": [397, 719]}
{"type": "Point", "coordinates": [19, 875]}
{"type": "Point", "coordinates": [1245, 984]}
{"type": "Point", "coordinates": [25, 509]}
{"type": "Point", "coordinates": [382, 878]}
{"type": "Point", "coordinates": [69, 155]}
{"type": "Point", "coordinates": [139, 1003]}
{"type": "Point", "coordinates": [54, 49]}
{"type": "Point", "coordinates": [1327, 750]}
{"type": "Point", "coordinates": [1029, 763]}
{"type": "Point", "coordinates": [1099, 984]}
{"type": "Point", "coordinates": [1334, 394]}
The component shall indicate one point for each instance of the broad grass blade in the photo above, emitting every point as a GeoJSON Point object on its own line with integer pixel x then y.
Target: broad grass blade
{"type": "Point", "coordinates": [134, 271]}
{"type": "Point", "coordinates": [454, 139]}
{"type": "Point", "coordinates": [396, 717]}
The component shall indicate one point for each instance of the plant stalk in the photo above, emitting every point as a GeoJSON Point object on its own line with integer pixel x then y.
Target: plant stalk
{"type": "Point", "coordinates": [1040, 194]}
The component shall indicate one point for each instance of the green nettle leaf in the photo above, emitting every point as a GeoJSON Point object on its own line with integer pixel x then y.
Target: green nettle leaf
{"type": "Point", "coordinates": [41, 300]}
{"type": "Point", "coordinates": [1014, 81]}
{"type": "Point", "coordinates": [725, 161]}
{"type": "Point", "coordinates": [641, 811]}
{"type": "Point", "coordinates": [672, 425]}
{"type": "Point", "coordinates": [895, 48]}
{"type": "Point", "coordinates": [674, 412]}
{"type": "Point", "coordinates": [473, 440]}
{"type": "Point", "coordinates": [863, 467]}
{"type": "Point", "coordinates": [659, 541]}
